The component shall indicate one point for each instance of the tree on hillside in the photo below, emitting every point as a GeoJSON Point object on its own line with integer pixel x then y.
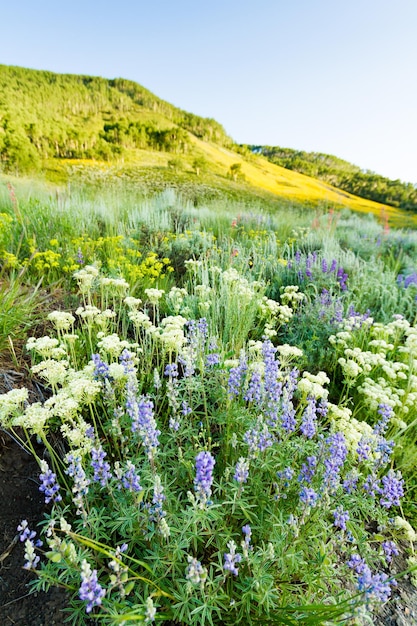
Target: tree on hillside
{"type": "Point", "coordinates": [200, 165]}
{"type": "Point", "coordinates": [235, 171]}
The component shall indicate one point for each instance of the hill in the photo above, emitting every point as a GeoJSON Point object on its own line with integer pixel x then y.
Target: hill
{"type": "Point", "coordinates": [90, 128]}
{"type": "Point", "coordinates": [343, 175]}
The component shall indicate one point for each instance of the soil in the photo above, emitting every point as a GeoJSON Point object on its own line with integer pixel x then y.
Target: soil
{"type": "Point", "coordinates": [20, 499]}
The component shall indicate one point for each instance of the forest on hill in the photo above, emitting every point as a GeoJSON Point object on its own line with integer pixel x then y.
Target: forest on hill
{"type": "Point", "coordinates": [343, 175]}
{"type": "Point", "coordinates": [48, 115]}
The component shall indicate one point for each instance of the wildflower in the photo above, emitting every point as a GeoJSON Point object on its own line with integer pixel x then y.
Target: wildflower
{"type": "Point", "coordinates": [309, 419]}
{"type": "Point", "coordinates": [307, 470]}
{"type": "Point", "coordinates": [231, 558]}
{"type": "Point", "coordinates": [102, 473]}
{"type": "Point", "coordinates": [204, 463]}
{"type": "Point", "coordinates": [247, 531]}
{"type": "Point", "coordinates": [150, 610]}
{"type": "Point", "coordinates": [258, 438]}
{"type": "Point", "coordinates": [236, 377]}
{"type": "Point", "coordinates": [308, 496]}
{"type": "Point", "coordinates": [336, 455]}
{"type": "Point", "coordinates": [143, 421]}
{"type": "Point", "coordinates": [49, 485]}
{"type": "Point", "coordinates": [241, 471]}
{"type": "Point", "coordinates": [254, 390]}
{"type": "Point", "coordinates": [392, 489]}
{"type": "Point", "coordinates": [130, 479]}
{"type": "Point", "coordinates": [90, 589]}
{"type": "Point", "coordinates": [101, 369]}
{"type": "Point", "coordinates": [195, 572]}
{"type": "Point", "coordinates": [390, 549]}
{"type": "Point", "coordinates": [212, 359]}
{"type": "Point", "coordinates": [340, 518]}
{"type": "Point", "coordinates": [32, 559]}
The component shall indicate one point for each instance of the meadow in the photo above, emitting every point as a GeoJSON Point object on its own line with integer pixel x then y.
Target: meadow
{"type": "Point", "coordinates": [229, 409]}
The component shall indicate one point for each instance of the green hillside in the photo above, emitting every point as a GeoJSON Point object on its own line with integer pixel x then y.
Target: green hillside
{"type": "Point", "coordinates": [73, 128]}
{"type": "Point", "coordinates": [343, 175]}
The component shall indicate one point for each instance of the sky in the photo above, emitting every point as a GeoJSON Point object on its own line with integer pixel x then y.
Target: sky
{"type": "Point", "coordinates": [332, 76]}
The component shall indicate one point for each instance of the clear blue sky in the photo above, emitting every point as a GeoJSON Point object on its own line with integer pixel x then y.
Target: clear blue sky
{"type": "Point", "coordinates": [335, 76]}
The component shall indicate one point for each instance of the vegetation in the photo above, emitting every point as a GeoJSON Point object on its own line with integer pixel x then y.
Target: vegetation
{"type": "Point", "coordinates": [230, 428]}
{"type": "Point", "coordinates": [343, 175]}
{"type": "Point", "coordinates": [74, 130]}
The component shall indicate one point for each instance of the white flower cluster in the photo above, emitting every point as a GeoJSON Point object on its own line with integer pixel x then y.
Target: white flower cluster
{"type": "Point", "coordinates": [119, 285]}
{"type": "Point", "coordinates": [292, 296]}
{"type": "Point", "coordinates": [47, 347]}
{"type": "Point", "coordinates": [85, 277]}
{"type": "Point", "coordinates": [176, 298]}
{"type": "Point", "coordinates": [11, 403]}
{"type": "Point", "coordinates": [312, 384]}
{"type": "Point", "coordinates": [61, 319]}
{"type": "Point", "coordinates": [154, 295]}
{"type": "Point", "coordinates": [112, 345]}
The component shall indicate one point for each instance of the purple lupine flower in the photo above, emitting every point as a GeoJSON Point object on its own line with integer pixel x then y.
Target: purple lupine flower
{"type": "Point", "coordinates": [377, 586]}
{"type": "Point", "coordinates": [127, 359]}
{"type": "Point", "coordinates": [333, 266]}
{"type": "Point", "coordinates": [102, 473]}
{"type": "Point", "coordinates": [309, 419]}
{"type": "Point", "coordinates": [143, 421]}
{"type": "Point", "coordinates": [156, 512]}
{"type": "Point", "coordinates": [236, 377]}
{"type": "Point", "coordinates": [231, 558]}
{"type": "Point", "coordinates": [130, 479]}
{"type": "Point", "coordinates": [80, 258]}
{"type": "Point", "coordinates": [356, 563]}
{"type": "Point", "coordinates": [212, 359]}
{"type": "Point", "coordinates": [364, 448]}
{"type": "Point", "coordinates": [411, 279]}
{"type": "Point", "coordinates": [101, 369]}
{"type": "Point", "coordinates": [171, 370]}
{"type": "Point", "coordinates": [203, 481]}
{"type": "Point", "coordinates": [258, 438]}
{"type": "Point", "coordinates": [372, 485]}
{"type": "Point", "coordinates": [297, 256]}
{"type": "Point", "coordinates": [195, 572]}
{"type": "Point", "coordinates": [350, 482]}
{"type": "Point", "coordinates": [81, 482]}
{"type": "Point", "coordinates": [340, 518]}
{"type": "Point", "coordinates": [324, 266]}
{"type": "Point", "coordinates": [185, 409]}
{"type": "Point", "coordinates": [390, 549]}
{"type": "Point", "coordinates": [76, 471]}
{"type": "Point", "coordinates": [26, 534]}
{"type": "Point", "coordinates": [307, 470]}
{"type": "Point", "coordinates": [272, 386]}
{"type": "Point", "coordinates": [392, 489]}
{"type": "Point", "coordinates": [254, 390]}
{"type": "Point", "coordinates": [323, 407]}
{"type": "Point", "coordinates": [308, 496]}
{"type": "Point", "coordinates": [247, 531]}
{"type": "Point", "coordinates": [342, 277]}
{"type": "Point", "coordinates": [385, 449]}
{"type": "Point", "coordinates": [285, 475]}
{"type": "Point", "coordinates": [241, 471]}
{"type": "Point", "coordinates": [335, 458]}
{"type": "Point", "coordinates": [90, 590]}
{"type": "Point", "coordinates": [49, 485]}
{"type": "Point", "coordinates": [386, 412]}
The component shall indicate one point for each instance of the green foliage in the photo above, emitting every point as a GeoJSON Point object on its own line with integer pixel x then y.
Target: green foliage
{"type": "Point", "coordinates": [87, 118]}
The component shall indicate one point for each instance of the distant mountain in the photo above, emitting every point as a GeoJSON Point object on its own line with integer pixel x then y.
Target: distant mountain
{"type": "Point", "coordinates": [343, 175]}
{"type": "Point", "coordinates": [72, 128]}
